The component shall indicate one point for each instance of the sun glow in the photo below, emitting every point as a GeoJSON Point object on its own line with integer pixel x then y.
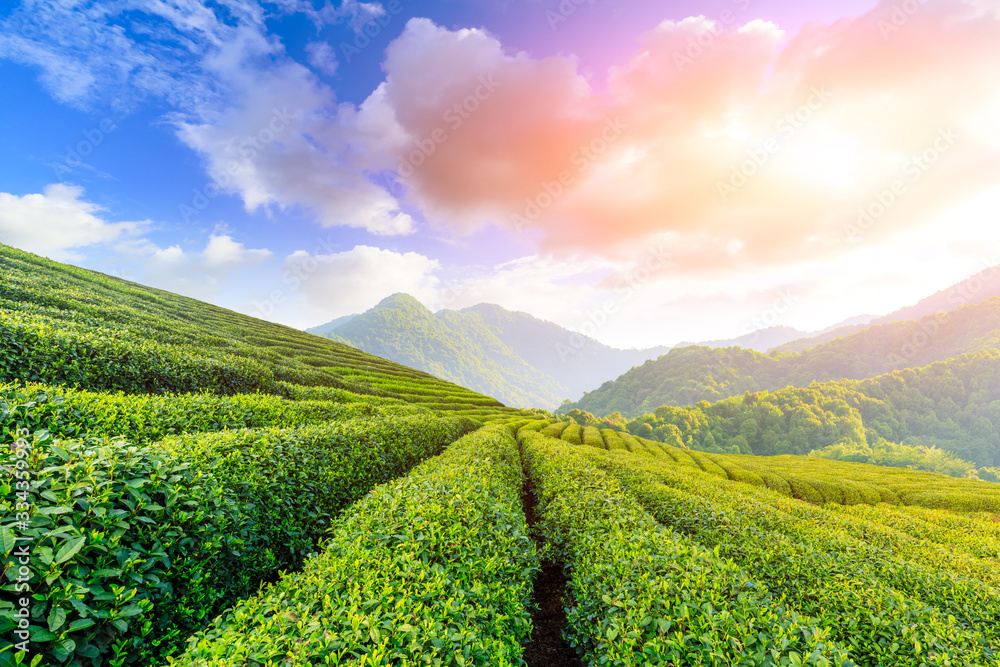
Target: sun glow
{"type": "Point", "coordinates": [832, 161]}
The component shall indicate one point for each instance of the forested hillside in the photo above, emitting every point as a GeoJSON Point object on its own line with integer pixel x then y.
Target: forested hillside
{"type": "Point", "coordinates": [460, 349]}
{"type": "Point", "coordinates": [519, 359]}
{"type": "Point", "coordinates": [688, 375]}
{"type": "Point", "coordinates": [952, 407]}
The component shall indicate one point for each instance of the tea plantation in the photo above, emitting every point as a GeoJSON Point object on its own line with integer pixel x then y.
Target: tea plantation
{"type": "Point", "coordinates": [184, 485]}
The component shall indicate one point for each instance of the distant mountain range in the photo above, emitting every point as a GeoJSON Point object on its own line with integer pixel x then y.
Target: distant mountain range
{"type": "Point", "coordinates": [512, 356]}
{"type": "Point", "coordinates": [524, 361]}
{"type": "Point", "coordinates": [687, 375]}
{"type": "Point", "coordinates": [982, 286]}
{"type": "Point", "coordinates": [770, 338]}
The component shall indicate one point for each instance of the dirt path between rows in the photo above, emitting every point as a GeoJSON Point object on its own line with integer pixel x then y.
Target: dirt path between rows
{"type": "Point", "coordinates": [547, 647]}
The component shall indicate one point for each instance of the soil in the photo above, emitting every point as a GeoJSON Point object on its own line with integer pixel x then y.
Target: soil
{"type": "Point", "coordinates": [547, 647]}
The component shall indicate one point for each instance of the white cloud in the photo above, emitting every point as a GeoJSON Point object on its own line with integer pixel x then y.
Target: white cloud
{"type": "Point", "coordinates": [57, 222]}
{"type": "Point", "coordinates": [198, 274]}
{"type": "Point", "coordinates": [322, 57]}
{"type": "Point", "coordinates": [549, 288]}
{"type": "Point", "coordinates": [223, 254]}
{"type": "Point", "coordinates": [276, 146]}
{"type": "Point", "coordinates": [354, 13]}
{"type": "Point", "coordinates": [60, 224]}
{"type": "Point", "coordinates": [89, 59]}
{"type": "Point", "coordinates": [353, 281]}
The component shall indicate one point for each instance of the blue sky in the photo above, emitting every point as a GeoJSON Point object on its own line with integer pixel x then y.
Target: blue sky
{"type": "Point", "coordinates": [719, 157]}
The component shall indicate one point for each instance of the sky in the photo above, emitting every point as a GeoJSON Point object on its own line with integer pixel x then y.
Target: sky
{"type": "Point", "coordinates": [642, 171]}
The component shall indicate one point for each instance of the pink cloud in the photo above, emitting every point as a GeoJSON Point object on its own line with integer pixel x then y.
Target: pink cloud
{"type": "Point", "coordinates": [485, 128]}
{"type": "Point", "coordinates": [838, 110]}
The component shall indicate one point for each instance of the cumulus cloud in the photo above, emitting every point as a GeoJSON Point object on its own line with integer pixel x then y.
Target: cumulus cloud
{"type": "Point", "coordinates": [746, 146]}
{"type": "Point", "coordinates": [741, 148]}
{"type": "Point", "coordinates": [223, 254]}
{"type": "Point", "coordinates": [471, 130]}
{"type": "Point", "coordinates": [197, 274]}
{"type": "Point", "coordinates": [551, 288]}
{"type": "Point", "coordinates": [269, 131]}
{"type": "Point", "coordinates": [274, 147]}
{"type": "Point", "coordinates": [57, 222]}
{"type": "Point", "coordinates": [484, 129]}
{"type": "Point", "coordinates": [353, 281]}
{"type": "Point", "coordinates": [60, 224]}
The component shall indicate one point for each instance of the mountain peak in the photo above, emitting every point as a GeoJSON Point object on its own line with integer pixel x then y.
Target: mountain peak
{"type": "Point", "coordinates": [401, 300]}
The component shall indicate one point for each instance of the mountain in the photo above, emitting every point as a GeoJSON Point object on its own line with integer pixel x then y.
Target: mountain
{"type": "Point", "coordinates": [688, 375]}
{"type": "Point", "coordinates": [984, 285]}
{"type": "Point", "coordinates": [760, 340]}
{"type": "Point", "coordinates": [512, 356]}
{"type": "Point", "coordinates": [765, 340]}
{"type": "Point", "coordinates": [576, 361]}
{"type": "Point", "coordinates": [400, 328]}
{"type": "Point", "coordinates": [324, 329]}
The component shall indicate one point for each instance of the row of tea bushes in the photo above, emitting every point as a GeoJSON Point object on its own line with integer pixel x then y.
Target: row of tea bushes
{"type": "Point", "coordinates": [886, 598]}
{"type": "Point", "coordinates": [133, 548]}
{"type": "Point", "coordinates": [642, 594]}
{"type": "Point", "coordinates": [432, 569]}
{"type": "Point", "coordinates": [144, 418]}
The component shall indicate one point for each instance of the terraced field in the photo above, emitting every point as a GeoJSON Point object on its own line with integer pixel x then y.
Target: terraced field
{"type": "Point", "coordinates": [184, 485]}
{"type": "Point", "coordinates": [72, 327]}
{"type": "Point", "coordinates": [672, 561]}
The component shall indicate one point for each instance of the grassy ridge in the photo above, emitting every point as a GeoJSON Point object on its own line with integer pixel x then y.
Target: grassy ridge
{"type": "Point", "coordinates": [64, 325]}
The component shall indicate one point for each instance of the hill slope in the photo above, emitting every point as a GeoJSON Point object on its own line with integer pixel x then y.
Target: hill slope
{"type": "Point", "coordinates": [770, 338]}
{"type": "Point", "coordinates": [66, 325]}
{"type": "Point", "coordinates": [519, 359]}
{"type": "Point", "coordinates": [688, 375]}
{"type": "Point", "coordinates": [911, 417]}
{"type": "Point", "coordinates": [980, 287]}
{"type": "Point", "coordinates": [181, 455]}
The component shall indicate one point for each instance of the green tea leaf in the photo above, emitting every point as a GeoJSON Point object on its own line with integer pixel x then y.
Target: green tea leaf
{"type": "Point", "coordinates": [70, 549]}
